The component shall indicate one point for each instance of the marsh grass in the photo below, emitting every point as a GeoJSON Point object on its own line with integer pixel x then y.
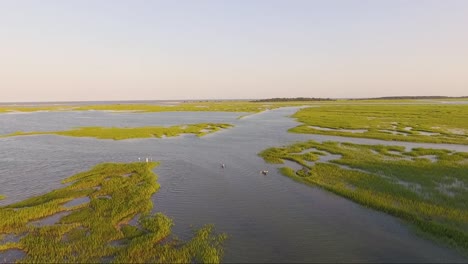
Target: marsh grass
{"type": "Point", "coordinates": [121, 133]}
{"type": "Point", "coordinates": [433, 196]}
{"type": "Point", "coordinates": [87, 233]}
{"type": "Point", "coordinates": [416, 123]}
{"type": "Point", "coordinates": [192, 107]}
{"type": "Point", "coordinates": [217, 106]}
{"type": "Point", "coordinates": [226, 106]}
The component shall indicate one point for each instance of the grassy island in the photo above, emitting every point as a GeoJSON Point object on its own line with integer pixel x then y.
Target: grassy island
{"type": "Point", "coordinates": [426, 187]}
{"type": "Point", "coordinates": [99, 227]}
{"type": "Point", "coordinates": [120, 133]}
{"type": "Point", "coordinates": [222, 106]}
{"type": "Point", "coordinates": [435, 123]}
{"type": "Point", "coordinates": [228, 105]}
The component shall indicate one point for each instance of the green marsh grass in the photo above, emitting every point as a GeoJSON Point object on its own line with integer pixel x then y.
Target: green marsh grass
{"type": "Point", "coordinates": [218, 106]}
{"type": "Point", "coordinates": [121, 133]}
{"type": "Point", "coordinates": [99, 231]}
{"type": "Point", "coordinates": [434, 123]}
{"type": "Point", "coordinates": [431, 195]}
{"type": "Point", "coordinates": [224, 106]}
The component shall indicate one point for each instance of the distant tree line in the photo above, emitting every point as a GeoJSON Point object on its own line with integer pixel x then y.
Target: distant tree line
{"type": "Point", "coordinates": [410, 97]}
{"type": "Point", "coordinates": [292, 99]}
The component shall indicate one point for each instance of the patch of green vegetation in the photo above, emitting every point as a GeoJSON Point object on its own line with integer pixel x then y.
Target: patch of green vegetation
{"type": "Point", "coordinates": [120, 133]}
{"type": "Point", "coordinates": [213, 106]}
{"type": "Point", "coordinates": [7, 109]}
{"type": "Point", "coordinates": [295, 99]}
{"type": "Point", "coordinates": [2, 197]}
{"type": "Point", "coordinates": [99, 230]}
{"type": "Point", "coordinates": [233, 106]}
{"type": "Point", "coordinates": [415, 123]}
{"type": "Point", "coordinates": [221, 106]}
{"type": "Point", "coordinates": [426, 187]}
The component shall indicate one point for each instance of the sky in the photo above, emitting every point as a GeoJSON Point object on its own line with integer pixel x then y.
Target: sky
{"type": "Point", "coordinates": [86, 50]}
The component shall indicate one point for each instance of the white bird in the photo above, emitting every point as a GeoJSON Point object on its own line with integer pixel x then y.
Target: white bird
{"type": "Point", "coordinates": [223, 166]}
{"type": "Point", "coordinates": [139, 159]}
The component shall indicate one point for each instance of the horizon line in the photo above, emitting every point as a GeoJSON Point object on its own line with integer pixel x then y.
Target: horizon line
{"type": "Point", "coordinates": [238, 99]}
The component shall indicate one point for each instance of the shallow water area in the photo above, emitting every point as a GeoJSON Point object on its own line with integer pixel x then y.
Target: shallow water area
{"type": "Point", "coordinates": [340, 130]}
{"type": "Point", "coordinates": [8, 255]}
{"type": "Point", "coordinates": [424, 133]}
{"type": "Point", "coordinates": [52, 121]}
{"type": "Point", "coordinates": [393, 132]}
{"type": "Point", "coordinates": [77, 202]}
{"type": "Point", "coordinates": [268, 218]}
{"type": "Point", "coordinates": [50, 220]}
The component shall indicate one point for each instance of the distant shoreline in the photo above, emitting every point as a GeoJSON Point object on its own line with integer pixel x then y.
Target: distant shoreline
{"type": "Point", "coordinates": [156, 102]}
{"type": "Point", "coordinates": [175, 102]}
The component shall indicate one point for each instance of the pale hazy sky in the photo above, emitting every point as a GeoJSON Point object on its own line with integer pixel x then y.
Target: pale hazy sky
{"type": "Point", "coordinates": [200, 49]}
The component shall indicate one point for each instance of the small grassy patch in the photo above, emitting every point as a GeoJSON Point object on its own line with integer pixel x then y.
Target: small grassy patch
{"type": "Point", "coordinates": [434, 123]}
{"type": "Point", "coordinates": [431, 194]}
{"type": "Point", "coordinates": [120, 133]}
{"type": "Point", "coordinates": [99, 231]}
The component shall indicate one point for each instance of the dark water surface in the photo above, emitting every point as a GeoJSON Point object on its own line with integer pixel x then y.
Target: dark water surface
{"type": "Point", "coordinates": [268, 218]}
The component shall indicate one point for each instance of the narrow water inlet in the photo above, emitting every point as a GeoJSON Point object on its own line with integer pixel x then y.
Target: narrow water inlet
{"type": "Point", "coordinates": [340, 129]}
{"type": "Point", "coordinates": [77, 201]}
{"type": "Point", "coordinates": [49, 220]}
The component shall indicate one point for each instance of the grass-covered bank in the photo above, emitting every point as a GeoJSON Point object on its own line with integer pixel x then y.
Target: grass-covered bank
{"type": "Point", "coordinates": [428, 188]}
{"type": "Point", "coordinates": [204, 106]}
{"type": "Point", "coordinates": [222, 106]}
{"type": "Point", "coordinates": [100, 230]}
{"type": "Point", "coordinates": [433, 123]}
{"type": "Point", "coordinates": [120, 133]}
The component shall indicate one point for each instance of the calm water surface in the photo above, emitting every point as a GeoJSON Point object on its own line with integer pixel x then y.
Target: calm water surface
{"type": "Point", "coordinates": [268, 218]}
